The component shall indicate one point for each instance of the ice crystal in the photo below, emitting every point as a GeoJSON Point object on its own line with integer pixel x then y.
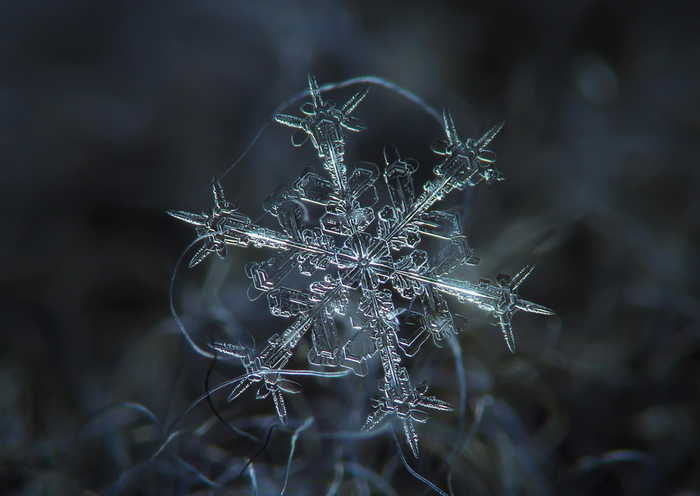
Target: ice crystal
{"type": "Point", "coordinates": [369, 282]}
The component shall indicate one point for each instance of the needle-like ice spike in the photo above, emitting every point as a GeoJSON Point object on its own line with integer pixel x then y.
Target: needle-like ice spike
{"type": "Point", "coordinates": [189, 217]}
{"type": "Point", "coordinates": [354, 101]}
{"type": "Point", "coordinates": [489, 135]}
{"type": "Point", "coordinates": [314, 91]}
{"type": "Point", "coordinates": [450, 128]}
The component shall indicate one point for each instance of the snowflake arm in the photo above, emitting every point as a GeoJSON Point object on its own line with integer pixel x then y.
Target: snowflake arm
{"type": "Point", "coordinates": [398, 398]}
{"type": "Point", "coordinates": [324, 124]}
{"type": "Point", "coordinates": [500, 298]}
{"type": "Point", "coordinates": [210, 225]}
{"type": "Point", "coordinates": [465, 163]}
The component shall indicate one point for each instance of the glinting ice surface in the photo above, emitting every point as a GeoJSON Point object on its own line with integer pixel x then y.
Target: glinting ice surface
{"type": "Point", "coordinates": [363, 262]}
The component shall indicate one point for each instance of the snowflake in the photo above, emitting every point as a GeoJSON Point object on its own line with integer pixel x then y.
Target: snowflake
{"type": "Point", "coordinates": [369, 283]}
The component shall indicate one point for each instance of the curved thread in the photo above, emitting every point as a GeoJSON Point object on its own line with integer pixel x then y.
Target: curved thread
{"type": "Point", "coordinates": [171, 297]}
{"type": "Point", "coordinates": [249, 463]}
{"type": "Point", "coordinates": [375, 80]}
{"type": "Point", "coordinates": [411, 471]}
{"type": "Point", "coordinates": [293, 444]}
{"type": "Point", "coordinates": [230, 426]}
{"type": "Point", "coordinates": [231, 382]}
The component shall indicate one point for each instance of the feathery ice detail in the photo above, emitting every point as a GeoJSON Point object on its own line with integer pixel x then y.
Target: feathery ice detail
{"type": "Point", "coordinates": [372, 283]}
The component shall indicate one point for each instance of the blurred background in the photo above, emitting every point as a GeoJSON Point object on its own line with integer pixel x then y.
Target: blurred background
{"type": "Point", "coordinates": [113, 112]}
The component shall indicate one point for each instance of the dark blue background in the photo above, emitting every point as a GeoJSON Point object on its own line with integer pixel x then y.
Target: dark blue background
{"type": "Point", "coordinates": [113, 112]}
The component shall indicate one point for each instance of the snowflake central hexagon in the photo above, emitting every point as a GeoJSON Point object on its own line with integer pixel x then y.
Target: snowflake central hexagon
{"type": "Point", "coordinates": [365, 261]}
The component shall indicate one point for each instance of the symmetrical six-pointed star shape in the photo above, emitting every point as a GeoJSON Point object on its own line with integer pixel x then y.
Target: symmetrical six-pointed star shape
{"type": "Point", "coordinates": [368, 280]}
